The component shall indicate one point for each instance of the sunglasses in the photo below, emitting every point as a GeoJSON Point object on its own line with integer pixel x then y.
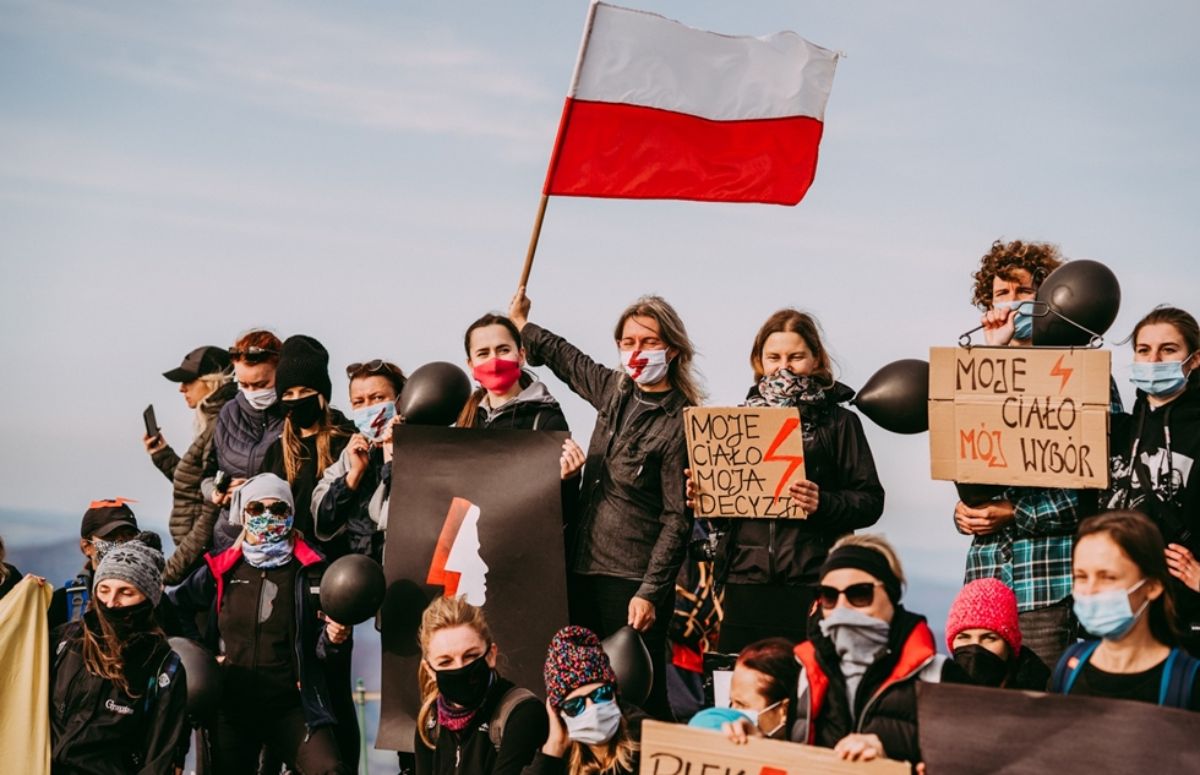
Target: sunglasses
{"type": "Point", "coordinates": [574, 706]}
{"type": "Point", "coordinates": [258, 508]}
{"type": "Point", "coordinates": [857, 595]}
{"type": "Point", "coordinates": [252, 354]}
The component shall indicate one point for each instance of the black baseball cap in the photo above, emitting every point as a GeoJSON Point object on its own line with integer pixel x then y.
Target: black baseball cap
{"type": "Point", "coordinates": [197, 363]}
{"type": "Point", "coordinates": [105, 516]}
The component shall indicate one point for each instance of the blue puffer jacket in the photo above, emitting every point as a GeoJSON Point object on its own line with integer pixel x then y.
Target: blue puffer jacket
{"type": "Point", "coordinates": [240, 443]}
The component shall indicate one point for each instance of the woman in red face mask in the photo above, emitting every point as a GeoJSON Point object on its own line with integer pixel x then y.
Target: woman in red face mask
{"type": "Point", "coordinates": [509, 397]}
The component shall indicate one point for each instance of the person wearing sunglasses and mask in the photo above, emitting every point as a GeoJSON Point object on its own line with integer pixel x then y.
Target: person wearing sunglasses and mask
{"type": "Point", "coordinates": [630, 532]}
{"type": "Point", "coordinates": [1023, 535]}
{"type": "Point", "coordinates": [472, 720]}
{"type": "Point", "coordinates": [591, 731]}
{"type": "Point", "coordinates": [1156, 448]}
{"type": "Point", "coordinates": [769, 566]}
{"type": "Point", "coordinates": [350, 503]}
{"type": "Point", "coordinates": [1124, 600]}
{"type": "Point", "coordinates": [274, 645]}
{"type": "Point", "coordinates": [205, 379]}
{"type": "Point", "coordinates": [314, 434]}
{"type": "Point", "coordinates": [857, 689]}
{"type": "Point", "coordinates": [984, 637]}
{"type": "Point", "coordinates": [246, 427]}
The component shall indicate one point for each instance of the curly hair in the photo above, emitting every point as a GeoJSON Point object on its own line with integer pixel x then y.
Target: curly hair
{"type": "Point", "coordinates": [1037, 258]}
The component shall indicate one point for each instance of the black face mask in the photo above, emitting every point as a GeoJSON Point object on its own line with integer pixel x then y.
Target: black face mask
{"type": "Point", "coordinates": [305, 412]}
{"type": "Point", "coordinates": [984, 667]}
{"type": "Point", "coordinates": [465, 686]}
{"type": "Point", "coordinates": [128, 621]}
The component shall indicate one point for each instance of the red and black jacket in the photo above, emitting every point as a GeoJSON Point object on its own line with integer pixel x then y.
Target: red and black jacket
{"type": "Point", "coordinates": [886, 700]}
{"type": "Point", "coordinates": [205, 589]}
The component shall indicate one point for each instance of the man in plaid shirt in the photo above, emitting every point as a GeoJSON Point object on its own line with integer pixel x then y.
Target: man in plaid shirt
{"type": "Point", "coordinates": [1024, 536]}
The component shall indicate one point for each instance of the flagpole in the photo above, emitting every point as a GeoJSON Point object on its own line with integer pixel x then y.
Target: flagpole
{"type": "Point", "coordinates": [533, 240]}
{"type": "Point", "coordinates": [562, 131]}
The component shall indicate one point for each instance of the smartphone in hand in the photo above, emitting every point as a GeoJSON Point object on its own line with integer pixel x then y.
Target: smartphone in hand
{"type": "Point", "coordinates": [152, 428]}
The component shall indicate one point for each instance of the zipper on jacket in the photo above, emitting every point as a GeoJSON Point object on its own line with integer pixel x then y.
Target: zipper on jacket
{"type": "Point", "coordinates": [863, 716]}
{"type": "Point", "coordinates": [262, 580]}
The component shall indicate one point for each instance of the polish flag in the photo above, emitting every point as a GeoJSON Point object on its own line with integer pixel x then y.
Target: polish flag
{"type": "Point", "coordinates": [658, 110]}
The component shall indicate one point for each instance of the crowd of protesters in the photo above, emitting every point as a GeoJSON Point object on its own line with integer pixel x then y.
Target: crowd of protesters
{"type": "Point", "coordinates": [1069, 591]}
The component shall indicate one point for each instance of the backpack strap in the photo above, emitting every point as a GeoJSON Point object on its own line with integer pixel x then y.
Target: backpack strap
{"type": "Point", "coordinates": [77, 597]}
{"type": "Point", "coordinates": [1178, 680]}
{"type": "Point", "coordinates": [1067, 671]}
{"type": "Point", "coordinates": [166, 670]}
{"type": "Point", "coordinates": [511, 699]}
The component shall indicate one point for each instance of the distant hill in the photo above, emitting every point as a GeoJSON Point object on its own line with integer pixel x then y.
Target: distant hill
{"type": "Point", "coordinates": [57, 561]}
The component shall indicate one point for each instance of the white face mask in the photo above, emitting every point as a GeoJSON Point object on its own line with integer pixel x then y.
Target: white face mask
{"type": "Point", "coordinates": [755, 715]}
{"type": "Point", "coordinates": [260, 399]}
{"type": "Point", "coordinates": [646, 367]}
{"type": "Point", "coordinates": [596, 724]}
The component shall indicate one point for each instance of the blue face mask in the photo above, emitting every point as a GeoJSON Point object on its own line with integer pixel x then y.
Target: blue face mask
{"type": "Point", "coordinates": [1022, 320]}
{"type": "Point", "coordinates": [1163, 378]}
{"type": "Point", "coordinates": [373, 421]}
{"type": "Point", "coordinates": [1108, 614]}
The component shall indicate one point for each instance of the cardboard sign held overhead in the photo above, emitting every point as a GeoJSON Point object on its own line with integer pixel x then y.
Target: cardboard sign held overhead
{"type": "Point", "coordinates": [1019, 415]}
{"type": "Point", "coordinates": [743, 459]}
{"type": "Point", "coordinates": [675, 749]}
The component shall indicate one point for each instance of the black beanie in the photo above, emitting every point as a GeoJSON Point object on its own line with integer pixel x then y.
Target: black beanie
{"type": "Point", "coordinates": [303, 362]}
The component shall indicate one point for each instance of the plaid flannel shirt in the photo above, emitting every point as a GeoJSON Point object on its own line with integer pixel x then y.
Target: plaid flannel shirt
{"type": "Point", "coordinates": [1032, 555]}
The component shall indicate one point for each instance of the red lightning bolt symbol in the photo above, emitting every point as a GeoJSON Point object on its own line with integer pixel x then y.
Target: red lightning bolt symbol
{"type": "Point", "coordinates": [1060, 371]}
{"type": "Point", "coordinates": [637, 363]}
{"type": "Point", "coordinates": [378, 423]}
{"type": "Point", "coordinates": [793, 461]}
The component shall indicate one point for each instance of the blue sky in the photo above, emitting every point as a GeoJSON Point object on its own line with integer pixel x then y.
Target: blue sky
{"type": "Point", "coordinates": [367, 173]}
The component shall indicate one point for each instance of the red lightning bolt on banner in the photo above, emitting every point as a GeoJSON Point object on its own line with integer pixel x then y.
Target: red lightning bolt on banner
{"type": "Point", "coordinates": [794, 461]}
{"type": "Point", "coordinates": [1060, 371]}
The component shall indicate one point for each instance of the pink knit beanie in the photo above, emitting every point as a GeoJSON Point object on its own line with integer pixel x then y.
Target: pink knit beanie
{"type": "Point", "coordinates": [986, 604]}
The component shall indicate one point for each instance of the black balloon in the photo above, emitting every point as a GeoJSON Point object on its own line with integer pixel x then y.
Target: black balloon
{"type": "Point", "coordinates": [203, 679]}
{"type": "Point", "coordinates": [352, 589]}
{"type": "Point", "coordinates": [896, 397]}
{"type": "Point", "coordinates": [1085, 291]}
{"type": "Point", "coordinates": [631, 662]}
{"type": "Point", "coordinates": [434, 394]}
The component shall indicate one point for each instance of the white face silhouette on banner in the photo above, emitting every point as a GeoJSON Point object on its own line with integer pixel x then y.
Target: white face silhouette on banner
{"type": "Point", "coordinates": [465, 559]}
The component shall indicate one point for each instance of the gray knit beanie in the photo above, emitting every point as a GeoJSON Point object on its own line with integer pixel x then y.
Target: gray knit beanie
{"type": "Point", "coordinates": [139, 562]}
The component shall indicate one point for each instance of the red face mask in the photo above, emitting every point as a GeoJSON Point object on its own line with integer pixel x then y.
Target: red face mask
{"type": "Point", "coordinates": [497, 375]}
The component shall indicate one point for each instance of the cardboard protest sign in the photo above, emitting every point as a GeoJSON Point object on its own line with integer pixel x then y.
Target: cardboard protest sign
{"type": "Point", "coordinates": [675, 749]}
{"type": "Point", "coordinates": [743, 459]}
{"type": "Point", "coordinates": [972, 730]}
{"type": "Point", "coordinates": [477, 513]}
{"type": "Point", "coordinates": [1035, 416]}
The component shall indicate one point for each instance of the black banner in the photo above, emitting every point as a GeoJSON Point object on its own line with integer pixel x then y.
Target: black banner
{"type": "Point", "coordinates": [478, 513]}
{"type": "Point", "coordinates": [970, 730]}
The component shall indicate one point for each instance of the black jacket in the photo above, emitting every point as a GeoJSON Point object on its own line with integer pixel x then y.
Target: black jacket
{"type": "Point", "coordinates": [632, 519]}
{"type": "Point", "coordinates": [240, 443]}
{"type": "Point", "coordinates": [1029, 673]}
{"type": "Point", "coordinates": [96, 728]}
{"type": "Point", "coordinates": [1169, 494]}
{"type": "Point", "coordinates": [205, 590]}
{"type": "Point", "coordinates": [886, 700]}
{"type": "Point", "coordinates": [471, 751]}
{"type": "Point", "coordinates": [838, 458]}
{"type": "Point", "coordinates": [307, 477]}
{"type": "Point", "coordinates": [192, 514]}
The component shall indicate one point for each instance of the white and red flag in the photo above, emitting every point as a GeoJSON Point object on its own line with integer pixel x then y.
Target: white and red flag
{"type": "Point", "coordinates": [658, 110]}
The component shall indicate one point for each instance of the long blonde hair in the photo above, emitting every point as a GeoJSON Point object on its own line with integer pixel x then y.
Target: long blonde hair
{"type": "Point", "coordinates": [614, 756]}
{"type": "Point", "coordinates": [443, 613]}
{"type": "Point", "coordinates": [681, 372]}
{"type": "Point", "coordinates": [293, 447]}
{"type": "Point", "coordinates": [212, 383]}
